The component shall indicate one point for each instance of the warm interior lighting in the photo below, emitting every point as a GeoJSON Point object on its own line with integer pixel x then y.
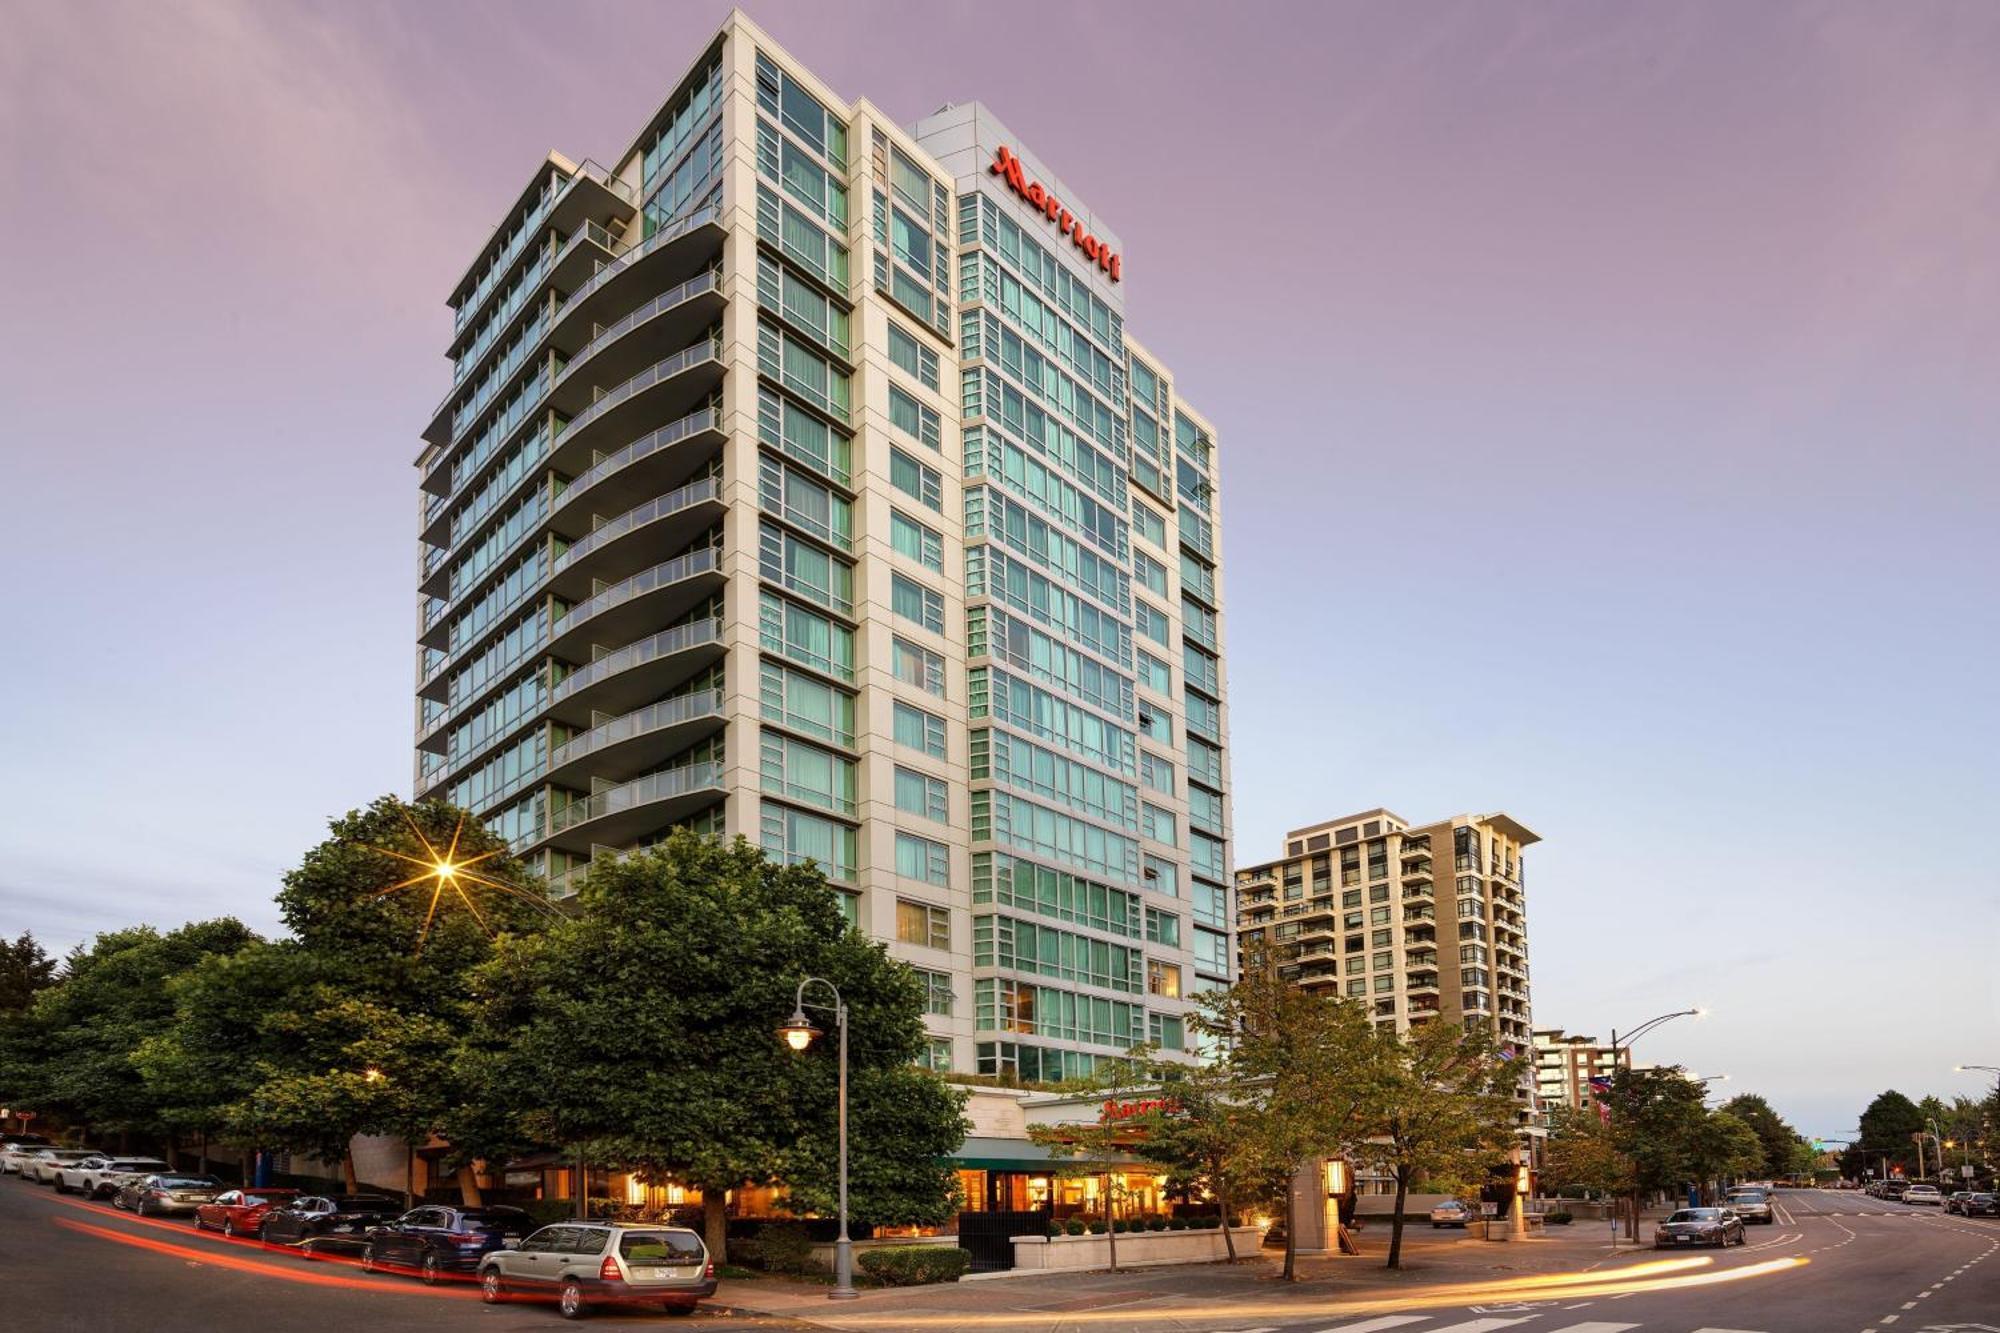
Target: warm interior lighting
{"type": "Point", "coordinates": [1336, 1177]}
{"type": "Point", "coordinates": [372, 1074]}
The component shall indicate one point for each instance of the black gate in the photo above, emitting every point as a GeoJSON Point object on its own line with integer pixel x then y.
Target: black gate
{"type": "Point", "coordinates": [989, 1237]}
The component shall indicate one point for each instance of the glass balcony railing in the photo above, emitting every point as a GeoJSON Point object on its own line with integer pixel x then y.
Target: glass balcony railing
{"type": "Point", "coordinates": [653, 717]}
{"type": "Point", "coordinates": [709, 349]}
{"type": "Point", "coordinates": [664, 574]}
{"type": "Point", "coordinates": [684, 497]}
{"type": "Point", "coordinates": [665, 643]}
{"type": "Point", "coordinates": [661, 786]}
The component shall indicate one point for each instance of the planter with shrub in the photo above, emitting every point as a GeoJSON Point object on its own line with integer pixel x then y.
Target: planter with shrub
{"type": "Point", "coordinates": [1558, 1218]}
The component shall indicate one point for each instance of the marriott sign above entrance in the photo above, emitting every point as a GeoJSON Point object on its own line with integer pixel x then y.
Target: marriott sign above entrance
{"type": "Point", "coordinates": [1008, 166]}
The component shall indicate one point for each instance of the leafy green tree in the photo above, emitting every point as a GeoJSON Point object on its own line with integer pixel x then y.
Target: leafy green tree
{"type": "Point", "coordinates": [113, 996]}
{"type": "Point", "coordinates": [25, 969]}
{"type": "Point", "coordinates": [1889, 1127]}
{"type": "Point", "coordinates": [1309, 1072]}
{"type": "Point", "coordinates": [1777, 1137]}
{"type": "Point", "coordinates": [1656, 1116]}
{"type": "Point", "coordinates": [643, 1029]}
{"type": "Point", "coordinates": [1580, 1154]}
{"type": "Point", "coordinates": [1724, 1147]}
{"type": "Point", "coordinates": [1196, 1133]}
{"type": "Point", "coordinates": [1086, 1148]}
{"type": "Point", "coordinates": [1446, 1112]}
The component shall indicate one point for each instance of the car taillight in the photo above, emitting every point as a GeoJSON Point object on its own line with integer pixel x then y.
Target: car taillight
{"type": "Point", "coordinates": [608, 1270]}
{"type": "Point", "coordinates": [711, 1269]}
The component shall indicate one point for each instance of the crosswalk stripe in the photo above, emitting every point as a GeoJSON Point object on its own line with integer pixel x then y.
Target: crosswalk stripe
{"type": "Point", "coordinates": [1593, 1326]}
{"type": "Point", "coordinates": [1481, 1325]}
{"type": "Point", "coordinates": [1725, 1330]}
{"type": "Point", "coordinates": [1387, 1321]}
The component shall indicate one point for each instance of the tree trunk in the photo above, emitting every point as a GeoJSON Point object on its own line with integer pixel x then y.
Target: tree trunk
{"type": "Point", "coordinates": [1632, 1218]}
{"type": "Point", "coordinates": [1291, 1229]}
{"type": "Point", "coordinates": [714, 1224]}
{"type": "Point", "coordinates": [347, 1169]}
{"type": "Point", "coordinates": [1396, 1222]}
{"type": "Point", "coordinates": [204, 1152]}
{"type": "Point", "coordinates": [1222, 1201]}
{"type": "Point", "coordinates": [1110, 1224]}
{"type": "Point", "coordinates": [468, 1187]}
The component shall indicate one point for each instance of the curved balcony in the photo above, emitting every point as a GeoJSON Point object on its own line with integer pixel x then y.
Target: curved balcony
{"type": "Point", "coordinates": [613, 549]}
{"type": "Point", "coordinates": [614, 353]}
{"type": "Point", "coordinates": [663, 391]}
{"type": "Point", "coordinates": [621, 815]}
{"type": "Point", "coordinates": [623, 679]}
{"type": "Point", "coordinates": [659, 594]}
{"type": "Point", "coordinates": [647, 466]}
{"type": "Point", "coordinates": [639, 741]}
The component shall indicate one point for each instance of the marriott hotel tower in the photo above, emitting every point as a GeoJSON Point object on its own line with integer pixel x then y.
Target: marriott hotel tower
{"type": "Point", "coordinates": [798, 479]}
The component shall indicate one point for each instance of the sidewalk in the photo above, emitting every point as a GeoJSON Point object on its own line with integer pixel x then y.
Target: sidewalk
{"type": "Point", "coordinates": [1430, 1258]}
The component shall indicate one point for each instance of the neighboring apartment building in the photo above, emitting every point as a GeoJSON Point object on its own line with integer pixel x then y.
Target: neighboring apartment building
{"type": "Point", "coordinates": [1564, 1066]}
{"type": "Point", "coordinates": [798, 480]}
{"type": "Point", "coordinates": [1413, 921]}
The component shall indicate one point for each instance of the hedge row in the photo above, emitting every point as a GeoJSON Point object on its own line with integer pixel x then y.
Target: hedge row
{"type": "Point", "coordinates": [914, 1265]}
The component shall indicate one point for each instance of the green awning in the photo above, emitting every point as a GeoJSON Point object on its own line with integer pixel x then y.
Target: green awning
{"type": "Point", "coordinates": [1023, 1155]}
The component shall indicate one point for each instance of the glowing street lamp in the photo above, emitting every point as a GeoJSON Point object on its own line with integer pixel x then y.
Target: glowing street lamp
{"type": "Point", "coordinates": [798, 1032]}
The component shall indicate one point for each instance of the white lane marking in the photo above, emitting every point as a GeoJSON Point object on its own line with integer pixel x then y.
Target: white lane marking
{"type": "Point", "coordinates": [1387, 1321]}
{"type": "Point", "coordinates": [1594, 1326]}
{"type": "Point", "coordinates": [1481, 1325]}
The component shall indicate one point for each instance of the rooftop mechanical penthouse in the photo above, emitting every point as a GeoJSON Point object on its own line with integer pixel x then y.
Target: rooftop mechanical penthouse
{"type": "Point", "coordinates": [798, 479]}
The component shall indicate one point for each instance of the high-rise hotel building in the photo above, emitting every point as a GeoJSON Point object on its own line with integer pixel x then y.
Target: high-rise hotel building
{"type": "Point", "coordinates": [1417, 922]}
{"type": "Point", "coordinates": [798, 480]}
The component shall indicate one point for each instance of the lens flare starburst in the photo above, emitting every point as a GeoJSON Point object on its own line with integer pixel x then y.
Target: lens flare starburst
{"type": "Point", "coordinates": [442, 872]}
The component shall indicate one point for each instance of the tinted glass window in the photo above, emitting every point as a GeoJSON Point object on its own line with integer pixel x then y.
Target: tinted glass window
{"type": "Point", "coordinates": [660, 1247]}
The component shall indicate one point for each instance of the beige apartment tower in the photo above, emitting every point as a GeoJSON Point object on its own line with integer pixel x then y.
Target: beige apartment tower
{"type": "Point", "coordinates": [1565, 1063]}
{"type": "Point", "coordinates": [798, 480]}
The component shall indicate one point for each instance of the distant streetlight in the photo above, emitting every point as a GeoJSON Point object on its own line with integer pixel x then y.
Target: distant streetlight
{"type": "Point", "coordinates": [1647, 1026]}
{"type": "Point", "coordinates": [798, 1032]}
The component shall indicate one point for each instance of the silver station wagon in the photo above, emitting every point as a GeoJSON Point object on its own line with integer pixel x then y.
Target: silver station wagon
{"type": "Point", "coordinates": [581, 1264]}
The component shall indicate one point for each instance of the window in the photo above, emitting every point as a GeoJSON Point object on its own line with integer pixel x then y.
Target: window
{"type": "Point", "coordinates": [916, 666]}
{"type": "Point", "coordinates": [913, 418]}
{"type": "Point", "coordinates": [909, 353]}
{"type": "Point", "coordinates": [919, 923]}
{"type": "Point", "coordinates": [1151, 622]}
{"type": "Point", "coordinates": [1149, 524]}
{"type": "Point", "coordinates": [1154, 674]}
{"type": "Point", "coordinates": [797, 433]}
{"type": "Point", "coordinates": [798, 499]}
{"type": "Point", "coordinates": [921, 794]}
{"type": "Point", "coordinates": [1163, 927]}
{"type": "Point", "coordinates": [1156, 724]}
{"type": "Point", "coordinates": [799, 566]}
{"type": "Point", "coordinates": [1378, 916]}
{"type": "Point", "coordinates": [1156, 773]}
{"type": "Point", "coordinates": [1168, 1032]}
{"type": "Point", "coordinates": [1211, 951]}
{"type": "Point", "coordinates": [1385, 984]}
{"type": "Point", "coordinates": [1162, 875]}
{"type": "Point", "coordinates": [802, 772]}
{"type": "Point", "coordinates": [915, 540]}
{"type": "Point", "coordinates": [800, 367]}
{"type": "Point", "coordinates": [916, 603]}
{"type": "Point", "coordinates": [1211, 904]}
{"type": "Point", "coordinates": [794, 837]}
{"type": "Point", "coordinates": [1157, 824]}
{"type": "Point", "coordinates": [922, 484]}
{"type": "Point", "coordinates": [805, 637]}
{"type": "Point", "coordinates": [936, 1055]}
{"type": "Point", "coordinates": [1357, 985]}
{"type": "Point", "coordinates": [1152, 575]}
{"type": "Point", "coordinates": [937, 992]}
{"type": "Point", "coordinates": [924, 859]}
{"type": "Point", "coordinates": [1163, 979]}
{"type": "Point", "coordinates": [805, 703]}
{"type": "Point", "coordinates": [919, 730]}
{"type": "Point", "coordinates": [1351, 898]}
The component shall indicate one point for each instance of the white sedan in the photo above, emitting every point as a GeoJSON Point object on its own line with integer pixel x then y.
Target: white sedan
{"type": "Point", "coordinates": [1923, 1194]}
{"type": "Point", "coordinates": [42, 1167]}
{"type": "Point", "coordinates": [15, 1153]}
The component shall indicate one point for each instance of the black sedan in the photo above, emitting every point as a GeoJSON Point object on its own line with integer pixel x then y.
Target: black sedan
{"type": "Point", "coordinates": [327, 1223]}
{"type": "Point", "coordinates": [435, 1241]}
{"type": "Point", "coordinates": [1982, 1205]}
{"type": "Point", "coordinates": [155, 1194]}
{"type": "Point", "coordinates": [1700, 1226]}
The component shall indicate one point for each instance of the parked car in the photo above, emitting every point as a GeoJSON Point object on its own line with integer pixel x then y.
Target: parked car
{"type": "Point", "coordinates": [161, 1192]}
{"type": "Point", "coordinates": [583, 1264]}
{"type": "Point", "coordinates": [1700, 1226]}
{"type": "Point", "coordinates": [1451, 1213]}
{"type": "Point", "coordinates": [240, 1212]}
{"type": "Point", "coordinates": [1982, 1204]}
{"type": "Point", "coordinates": [42, 1166]}
{"type": "Point", "coordinates": [1752, 1205]}
{"type": "Point", "coordinates": [435, 1241]}
{"type": "Point", "coordinates": [100, 1176]}
{"type": "Point", "coordinates": [320, 1224]}
{"type": "Point", "coordinates": [1955, 1201]}
{"type": "Point", "coordinates": [16, 1148]}
{"type": "Point", "coordinates": [1927, 1194]}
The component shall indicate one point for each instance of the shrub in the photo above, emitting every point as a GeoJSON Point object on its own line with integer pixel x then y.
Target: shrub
{"type": "Point", "coordinates": [1120, 1226]}
{"type": "Point", "coordinates": [781, 1247]}
{"type": "Point", "coordinates": [1177, 1224]}
{"type": "Point", "coordinates": [1097, 1228]}
{"type": "Point", "coordinates": [1156, 1224]}
{"type": "Point", "coordinates": [1075, 1226]}
{"type": "Point", "coordinates": [913, 1265]}
{"type": "Point", "coordinates": [1559, 1218]}
{"type": "Point", "coordinates": [1209, 1223]}
{"type": "Point", "coordinates": [1055, 1229]}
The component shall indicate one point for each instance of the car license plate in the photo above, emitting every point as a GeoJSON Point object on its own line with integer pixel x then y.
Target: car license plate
{"type": "Point", "coordinates": [658, 1274]}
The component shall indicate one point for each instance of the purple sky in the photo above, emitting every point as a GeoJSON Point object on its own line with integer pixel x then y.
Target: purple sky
{"type": "Point", "coordinates": [1606, 396]}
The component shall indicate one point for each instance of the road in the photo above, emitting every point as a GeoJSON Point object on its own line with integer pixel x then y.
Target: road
{"type": "Point", "coordinates": [67, 1266]}
{"type": "Point", "coordinates": [1831, 1263]}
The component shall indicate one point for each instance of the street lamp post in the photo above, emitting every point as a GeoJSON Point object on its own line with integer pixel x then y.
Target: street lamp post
{"type": "Point", "coordinates": [1626, 1042]}
{"type": "Point", "coordinates": [798, 1033]}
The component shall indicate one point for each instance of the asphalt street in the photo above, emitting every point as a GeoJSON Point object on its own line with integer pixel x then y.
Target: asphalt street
{"type": "Point", "coordinates": [1831, 1263]}
{"type": "Point", "coordinates": [77, 1267]}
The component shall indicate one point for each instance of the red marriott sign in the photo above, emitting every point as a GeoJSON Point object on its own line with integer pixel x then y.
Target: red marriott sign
{"type": "Point", "coordinates": [1008, 166]}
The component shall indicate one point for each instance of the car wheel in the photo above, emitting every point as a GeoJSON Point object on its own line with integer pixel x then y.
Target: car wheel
{"type": "Point", "coordinates": [141, 1209]}
{"type": "Point", "coordinates": [432, 1273]}
{"type": "Point", "coordinates": [490, 1289]}
{"type": "Point", "coordinates": [229, 1227]}
{"type": "Point", "coordinates": [570, 1302]}
{"type": "Point", "coordinates": [60, 1187]}
{"type": "Point", "coordinates": [367, 1258]}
